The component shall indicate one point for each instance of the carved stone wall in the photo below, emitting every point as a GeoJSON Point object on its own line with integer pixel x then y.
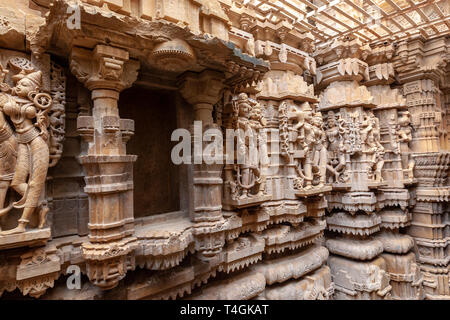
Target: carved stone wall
{"type": "Point", "coordinates": [335, 185]}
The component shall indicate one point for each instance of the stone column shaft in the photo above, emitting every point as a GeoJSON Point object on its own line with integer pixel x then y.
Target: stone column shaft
{"type": "Point", "coordinates": [203, 91]}
{"type": "Point", "coordinates": [109, 170]}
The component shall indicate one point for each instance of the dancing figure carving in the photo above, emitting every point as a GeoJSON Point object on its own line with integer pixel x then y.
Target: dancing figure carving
{"type": "Point", "coordinates": [336, 150]}
{"type": "Point", "coordinates": [311, 138]}
{"type": "Point", "coordinates": [370, 137]}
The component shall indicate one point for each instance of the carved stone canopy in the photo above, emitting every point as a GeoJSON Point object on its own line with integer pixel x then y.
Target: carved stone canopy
{"type": "Point", "coordinates": [149, 42]}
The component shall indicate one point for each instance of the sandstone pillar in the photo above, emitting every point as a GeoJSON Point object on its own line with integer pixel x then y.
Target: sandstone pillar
{"type": "Point", "coordinates": [203, 91]}
{"type": "Point", "coordinates": [106, 71]}
{"type": "Point", "coordinates": [394, 199]}
{"type": "Point", "coordinates": [421, 69]}
{"type": "Point", "coordinates": [356, 158]}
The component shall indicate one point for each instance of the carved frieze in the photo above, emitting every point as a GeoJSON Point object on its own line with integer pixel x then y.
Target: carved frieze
{"type": "Point", "coordinates": [345, 93]}
{"type": "Point", "coordinates": [281, 85]}
{"type": "Point", "coordinates": [349, 69]}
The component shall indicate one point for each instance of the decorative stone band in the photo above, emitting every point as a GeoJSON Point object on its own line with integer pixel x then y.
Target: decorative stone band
{"type": "Point", "coordinates": [431, 169]}
{"type": "Point", "coordinates": [7, 177]}
{"type": "Point", "coordinates": [285, 211]}
{"type": "Point", "coordinates": [242, 287]}
{"type": "Point", "coordinates": [242, 252]}
{"type": "Point", "coordinates": [437, 194]}
{"type": "Point", "coordinates": [353, 201]}
{"type": "Point", "coordinates": [105, 251]}
{"type": "Point", "coordinates": [294, 266]}
{"type": "Point", "coordinates": [343, 69]}
{"type": "Point", "coordinates": [355, 249]}
{"type": "Point", "coordinates": [361, 224]}
{"type": "Point", "coordinates": [210, 237]}
{"type": "Point", "coordinates": [393, 198]}
{"type": "Point", "coordinates": [381, 73]}
{"type": "Point", "coordinates": [394, 218]}
{"type": "Point", "coordinates": [315, 286]}
{"type": "Point", "coordinates": [103, 232]}
{"type": "Point", "coordinates": [282, 237]}
{"type": "Point", "coordinates": [33, 237]}
{"type": "Point", "coordinates": [28, 136]}
{"type": "Point", "coordinates": [5, 133]}
{"type": "Point", "coordinates": [101, 179]}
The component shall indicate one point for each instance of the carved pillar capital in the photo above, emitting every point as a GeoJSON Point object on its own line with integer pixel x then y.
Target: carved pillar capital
{"type": "Point", "coordinates": [202, 90]}
{"type": "Point", "coordinates": [105, 67]}
{"type": "Point", "coordinates": [418, 59]}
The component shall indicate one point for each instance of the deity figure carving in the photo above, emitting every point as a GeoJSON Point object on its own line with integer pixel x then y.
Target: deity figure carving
{"type": "Point", "coordinates": [311, 138]}
{"type": "Point", "coordinates": [249, 121]}
{"type": "Point", "coordinates": [404, 137]}
{"type": "Point", "coordinates": [335, 146]}
{"type": "Point", "coordinates": [8, 149]}
{"type": "Point", "coordinates": [370, 138]}
{"type": "Point", "coordinates": [28, 109]}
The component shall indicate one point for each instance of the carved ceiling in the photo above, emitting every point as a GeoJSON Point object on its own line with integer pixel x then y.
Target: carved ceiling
{"type": "Point", "coordinates": [372, 21]}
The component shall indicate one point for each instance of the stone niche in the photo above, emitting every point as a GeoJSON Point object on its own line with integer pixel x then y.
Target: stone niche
{"type": "Point", "coordinates": [156, 178]}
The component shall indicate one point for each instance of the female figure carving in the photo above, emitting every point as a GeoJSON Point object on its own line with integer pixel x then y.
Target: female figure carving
{"type": "Point", "coordinates": [320, 154]}
{"type": "Point", "coordinates": [27, 109]}
{"type": "Point", "coordinates": [8, 157]}
{"type": "Point", "coordinates": [404, 135]}
{"type": "Point", "coordinates": [250, 120]}
{"type": "Point", "coordinates": [373, 147]}
{"type": "Point", "coordinates": [311, 138]}
{"type": "Point", "coordinates": [336, 153]}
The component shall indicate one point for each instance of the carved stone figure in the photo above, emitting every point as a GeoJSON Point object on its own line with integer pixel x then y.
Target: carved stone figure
{"type": "Point", "coordinates": [249, 120]}
{"type": "Point", "coordinates": [311, 138]}
{"type": "Point", "coordinates": [370, 136]}
{"type": "Point", "coordinates": [404, 134]}
{"type": "Point", "coordinates": [335, 147]}
{"type": "Point", "coordinates": [28, 109]}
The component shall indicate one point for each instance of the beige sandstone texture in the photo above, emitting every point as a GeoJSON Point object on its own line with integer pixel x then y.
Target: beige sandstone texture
{"type": "Point", "coordinates": [346, 105]}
